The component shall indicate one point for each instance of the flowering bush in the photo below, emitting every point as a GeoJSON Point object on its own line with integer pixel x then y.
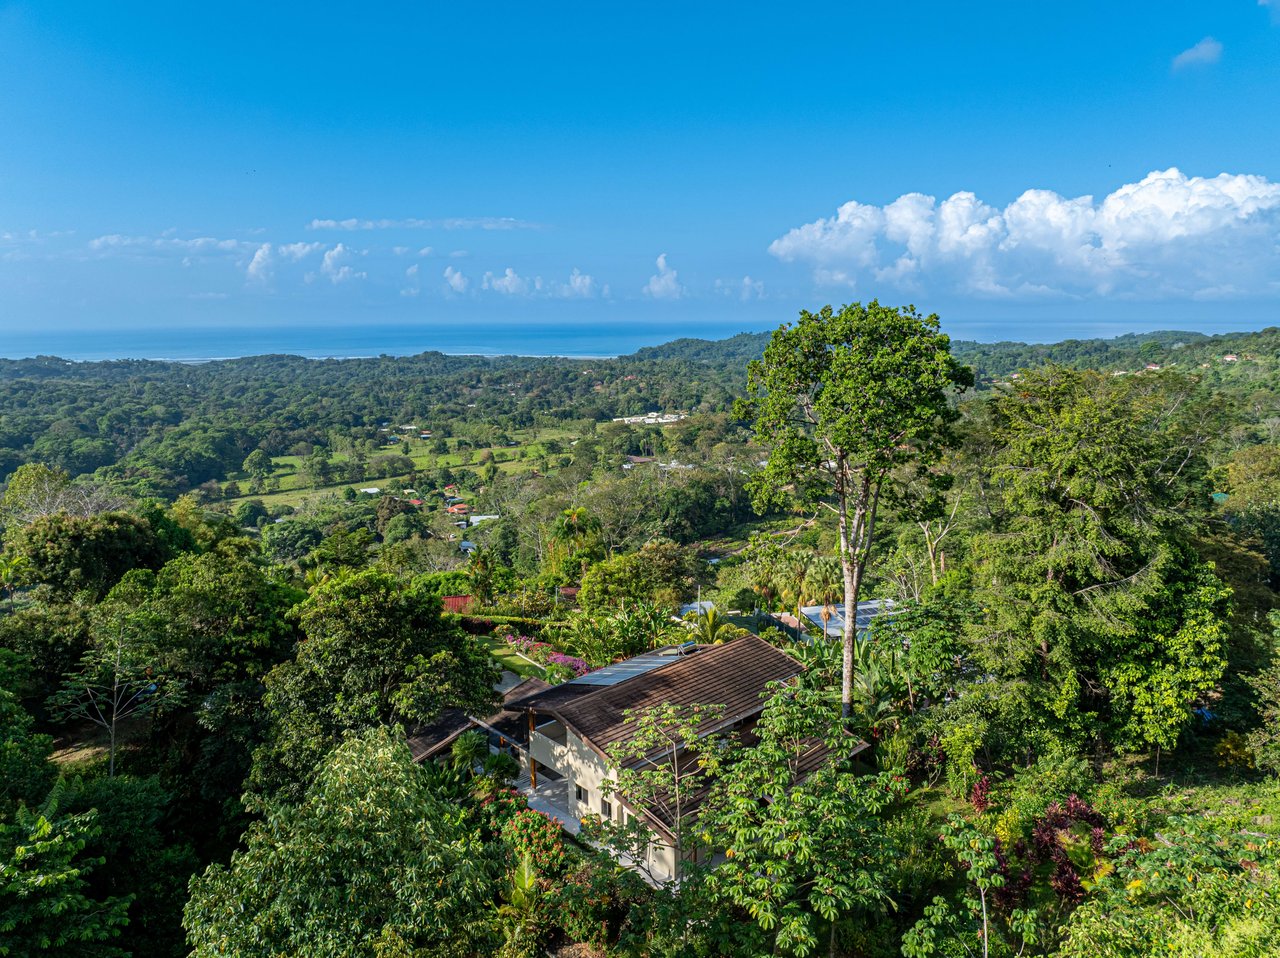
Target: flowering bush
{"type": "Point", "coordinates": [501, 806]}
{"type": "Point", "coordinates": [546, 654]}
{"type": "Point", "coordinates": [533, 833]}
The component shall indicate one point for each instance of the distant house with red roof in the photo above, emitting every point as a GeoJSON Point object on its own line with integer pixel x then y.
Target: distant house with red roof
{"type": "Point", "coordinates": [458, 509]}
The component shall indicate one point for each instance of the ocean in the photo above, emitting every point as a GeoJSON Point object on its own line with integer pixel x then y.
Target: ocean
{"type": "Point", "coordinates": [202, 343]}
{"type": "Point", "coordinates": [483, 337]}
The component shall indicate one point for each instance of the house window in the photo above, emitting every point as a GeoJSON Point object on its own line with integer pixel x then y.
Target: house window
{"type": "Point", "coordinates": [606, 809]}
{"type": "Point", "coordinates": [580, 793]}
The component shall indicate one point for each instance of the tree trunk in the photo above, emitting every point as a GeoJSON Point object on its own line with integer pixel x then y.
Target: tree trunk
{"type": "Point", "coordinates": [850, 618]}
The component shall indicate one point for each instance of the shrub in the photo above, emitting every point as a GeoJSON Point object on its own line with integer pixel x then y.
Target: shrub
{"type": "Point", "coordinates": [546, 654]}
{"type": "Point", "coordinates": [530, 832]}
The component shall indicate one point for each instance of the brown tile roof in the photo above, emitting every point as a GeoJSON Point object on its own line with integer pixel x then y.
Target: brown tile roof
{"type": "Point", "coordinates": [435, 737]}
{"type": "Point", "coordinates": [733, 675]}
{"type": "Point", "coordinates": [553, 697]}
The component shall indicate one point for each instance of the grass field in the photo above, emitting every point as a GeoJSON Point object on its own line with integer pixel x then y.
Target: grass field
{"type": "Point", "coordinates": [511, 660]}
{"type": "Point", "coordinates": [292, 489]}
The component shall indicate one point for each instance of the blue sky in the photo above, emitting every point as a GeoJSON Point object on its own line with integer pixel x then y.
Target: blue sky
{"type": "Point", "coordinates": [709, 164]}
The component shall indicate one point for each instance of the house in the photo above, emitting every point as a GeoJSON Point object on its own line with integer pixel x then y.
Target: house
{"type": "Point", "coordinates": [476, 520]}
{"type": "Point", "coordinates": [458, 509]}
{"type": "Point", "coordinates": [571, 727]}
{"type": "Point", "coordinates": [504, 728]}
{"type": "Point", "coordinates": [834, 625]}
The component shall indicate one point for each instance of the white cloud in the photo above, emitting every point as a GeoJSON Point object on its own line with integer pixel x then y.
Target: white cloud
{"type": "Point", "coordinates": [451, 223]}
{"type": "Point", "coordinates": [510, 283]}
{"type": "Point", "coordinates": [457, 282]}
{"type": "Point", "coordinates": [199, 244]}
{"type": "Point", "coordinates": [744, 289]}
{"type": "Point", "coordinates": [425, 251]}
{"type": "Point", "coordinates": [1166, 235]}
{"type": "Point", "coordinates": [259, 270]}
{"type": "Point", "coordinates": [580, 286]}
{"type": "Point", "coordinates": [1208, 51]}
{"type": "Point", "coordinates": [412, 271]}
{"type": "Point", "coordinates": [334, 266]}
{"type": "Point", "coordinates": [295, 252]}
{"type": "Point", "coordinates": [665, 283]}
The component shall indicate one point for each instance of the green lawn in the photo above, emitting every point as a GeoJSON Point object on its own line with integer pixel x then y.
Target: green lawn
{"type": "Point", "coordinates": [510, 660]}
{"type": "Point", "coordinates": [293, 489]}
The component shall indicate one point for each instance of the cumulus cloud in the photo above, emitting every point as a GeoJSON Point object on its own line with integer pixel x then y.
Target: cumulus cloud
{"type": "Point", "coordinates": [665, 284]}
{"type": "Point", "coordinates": [1208, 51]}
{"type": "Point", "coordinates": [1166, 235]}
{"type": "Point", "coordinates": [295, 252]}
{"type": "Point", "coordinates": [451, 223]}
{"type": "Point", "coordinates": [334, 266]}
{"type": "Point", "coordinates": [510, 283]}
{"type": "Point", "coordinates": [456, 281]}
{"type": "Point", "coordinates": [259, 270]}
{"type": "Point", "coordinates": [580, 286]}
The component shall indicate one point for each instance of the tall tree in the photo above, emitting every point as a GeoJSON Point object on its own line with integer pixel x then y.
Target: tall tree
{"type": "Point", "coordinates": [1096, 611]}
{"type": "Point", "coordinates": [852, 402]}
{"type": "Point", "coordinates": [375, 651]}
{"type": "Point", "coordinates": [370, 857]}
{"type": "Point", "coordinates": [121, 676]}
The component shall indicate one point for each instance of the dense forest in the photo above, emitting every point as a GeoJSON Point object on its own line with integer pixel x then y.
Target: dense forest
{"type": "Point", "coordinates": [223, 610]}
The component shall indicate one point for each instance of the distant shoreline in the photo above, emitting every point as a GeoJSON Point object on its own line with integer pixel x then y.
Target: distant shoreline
{"type": "Point", "coordinates": [201, 345]}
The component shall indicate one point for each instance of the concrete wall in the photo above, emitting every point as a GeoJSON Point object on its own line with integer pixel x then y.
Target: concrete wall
{"type": "Point", "coordinates": [559, 748]}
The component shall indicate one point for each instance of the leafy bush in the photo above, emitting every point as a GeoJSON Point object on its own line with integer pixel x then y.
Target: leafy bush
{"type": "Point", "coordinates": [530, 832]}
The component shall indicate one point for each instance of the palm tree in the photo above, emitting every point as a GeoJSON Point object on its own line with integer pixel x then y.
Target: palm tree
{"type": "Point", "coordinates": [712, 629]}
{"type": "Point", "coordinates": [574, 526]}
{"type": "Point", "coordinates": [824, 583]}
{"type": "Point", "coordinates": [13, 573]}
{"type": "Point", "coordinates": [469, 750]}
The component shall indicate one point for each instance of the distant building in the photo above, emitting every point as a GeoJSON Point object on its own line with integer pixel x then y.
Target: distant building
{"type": "Point", "coordinates": [867, 611]}
{"type": "Point", "coordinates": [456, 603]}
{"type": "Point", "coordinates": [652, 418]}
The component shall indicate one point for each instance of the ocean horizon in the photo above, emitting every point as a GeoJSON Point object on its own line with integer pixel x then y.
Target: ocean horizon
{"type": "Point", "coordinates": [210, 343]}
